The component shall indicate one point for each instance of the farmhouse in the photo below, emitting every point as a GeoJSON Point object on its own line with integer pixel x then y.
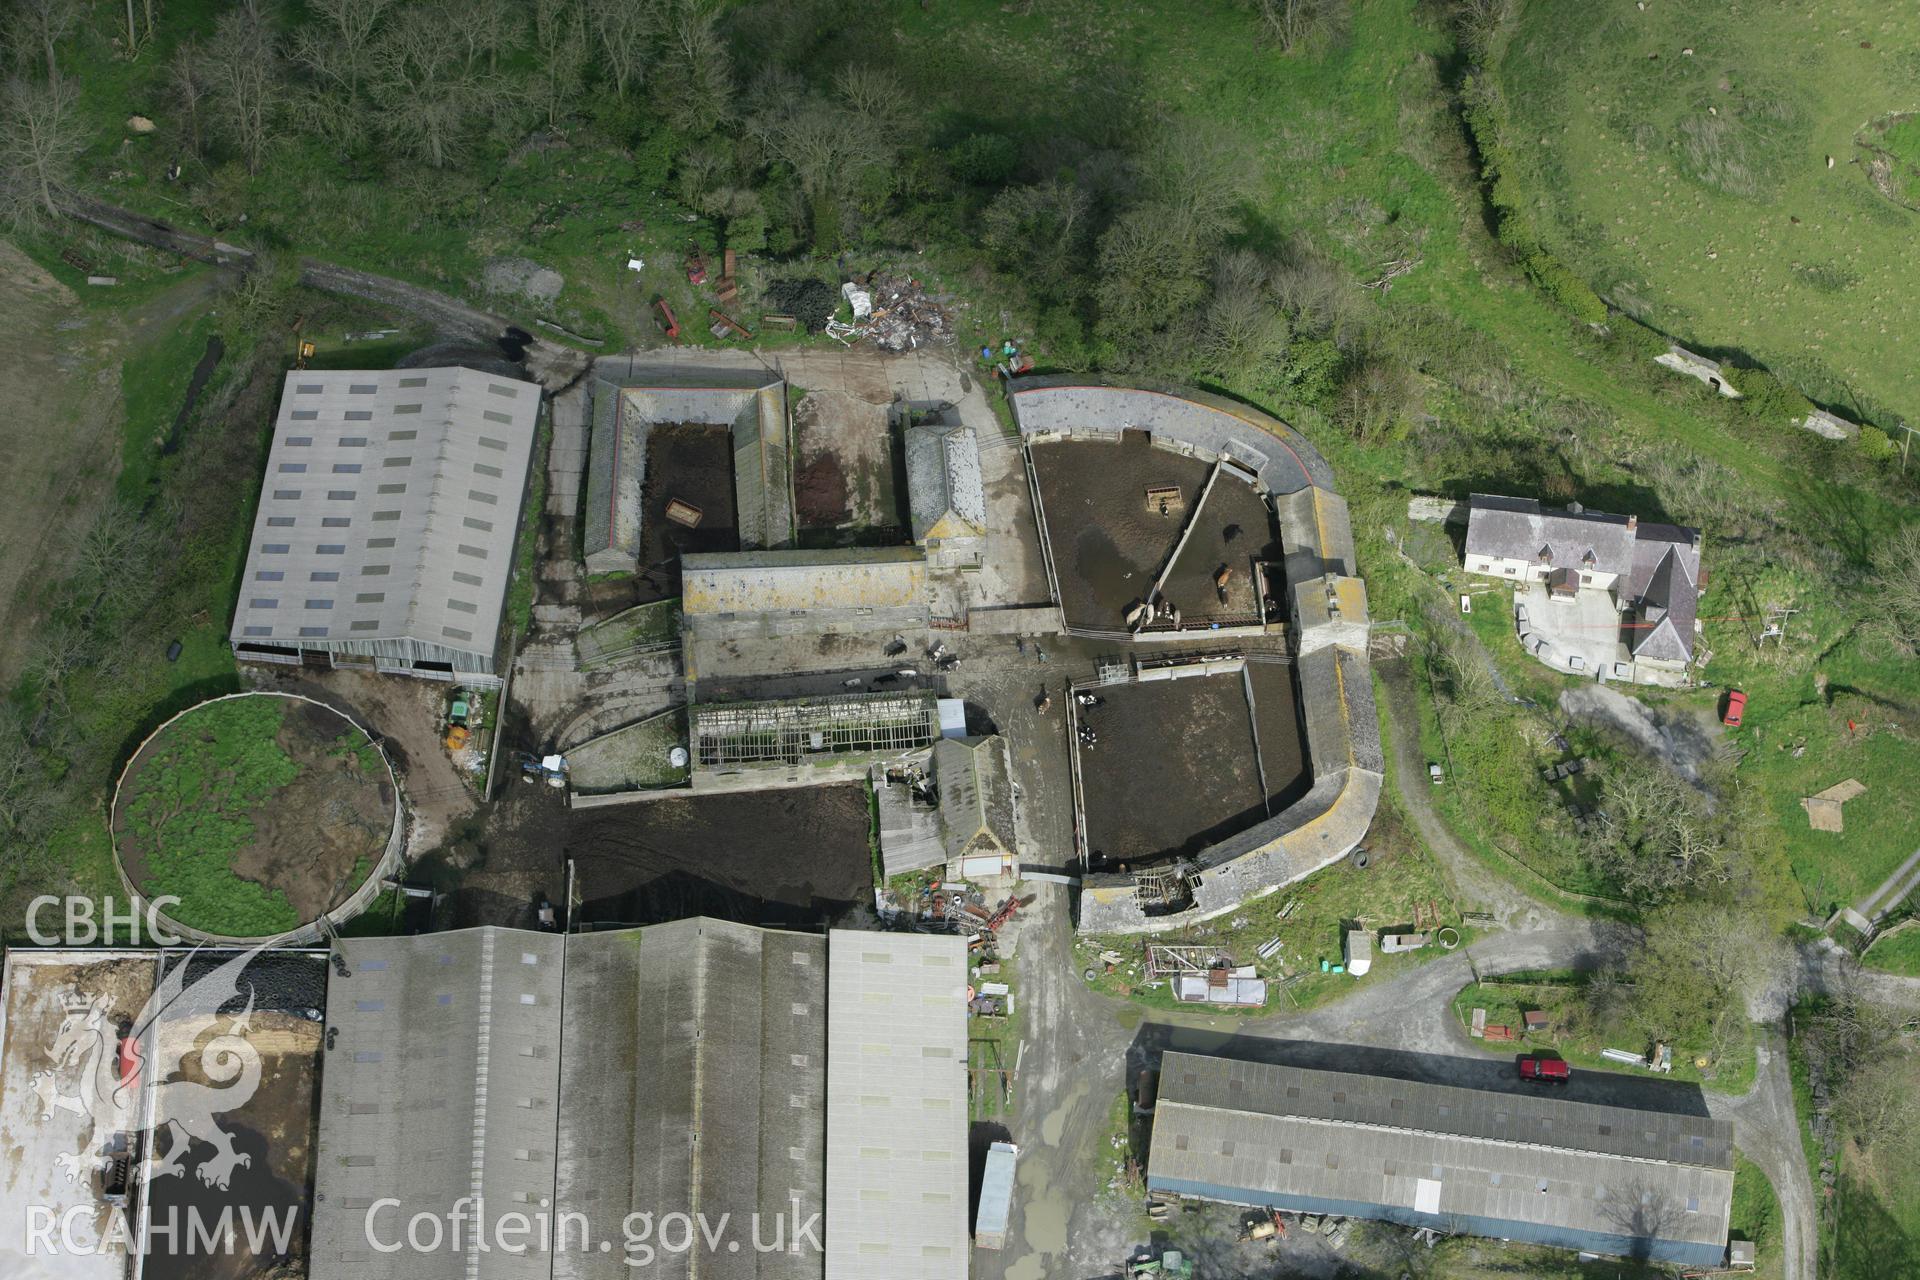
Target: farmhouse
{"type": "Point", "coordinates": [1641, 580]}
{"type": "Point", "coordinates": [1530, 1167]}
{"type": "Point", "coordinates": [386, 524]}
{"type": "Point", "coordinates": [699, 1067]}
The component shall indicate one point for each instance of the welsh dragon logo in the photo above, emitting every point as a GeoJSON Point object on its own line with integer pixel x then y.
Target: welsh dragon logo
{"type": "Point", "coordinates": [127, 1082]}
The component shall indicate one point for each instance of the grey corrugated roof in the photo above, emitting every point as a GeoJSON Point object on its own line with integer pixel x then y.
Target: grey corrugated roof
{"type": "Point", "coordinates": [1272, 1130]}
{"type": "Point", "coordinates": [440, 1082]}
{"type": "Point", "coordinates": [693, 1082]}
{"type": "Point", "coordinates": [388, 512]}
{"type": "Point", "coordinates": [678, 1068]}
{"type": "Point", "coordinates": [896, 1107]}
{"type": "Point", "coordinates": [943, 477]}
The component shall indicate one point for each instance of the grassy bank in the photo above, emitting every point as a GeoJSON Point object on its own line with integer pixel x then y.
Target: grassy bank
{"type": "Point", "coordinates": [1559, 995]}
{"type": "Point", "coordinates": [1683, 162]}
{"type": "Point", "coordinates": [1310, 921]}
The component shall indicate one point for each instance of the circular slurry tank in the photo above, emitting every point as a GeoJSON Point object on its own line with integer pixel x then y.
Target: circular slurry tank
{"type": "Point", "coordinates": [259, 812]}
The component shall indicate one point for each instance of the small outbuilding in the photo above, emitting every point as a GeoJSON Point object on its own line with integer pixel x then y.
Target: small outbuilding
{"type": "Point", "coordinates": [944, 491]}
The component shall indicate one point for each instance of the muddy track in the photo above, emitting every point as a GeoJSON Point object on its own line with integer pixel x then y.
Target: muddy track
{"type": "Point", "coordinates": [556, 367]}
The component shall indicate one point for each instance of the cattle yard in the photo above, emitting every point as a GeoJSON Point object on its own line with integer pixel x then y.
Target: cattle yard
{"type": "Point", "coordinates": [1171, 765]}
{"type": "Point", "coordinates": [689, 478]}
{"type": "Point", "coordinates": [1116, 513]}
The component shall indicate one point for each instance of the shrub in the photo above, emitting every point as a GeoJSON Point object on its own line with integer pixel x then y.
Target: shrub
{"type": "Point", "coordinates": [984, 159]}
{"type": "Point", "coordinates": [1637, 338]}
{"type": "Point", "coordinates": [1876, 444]}
{"type": "Point", "coordinates": [1566, 289]}
{"type": "Point", "coordinates": [1769, 399]}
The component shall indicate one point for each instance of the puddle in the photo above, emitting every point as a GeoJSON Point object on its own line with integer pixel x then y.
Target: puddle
{"type": "Point", "coordinates": [1056, 1121]}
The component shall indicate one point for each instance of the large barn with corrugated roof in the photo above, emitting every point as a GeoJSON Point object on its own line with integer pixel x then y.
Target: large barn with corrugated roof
{"type": "Point", "coordinates": [1530, 1167]}
{"type": "Point", "coordinates": [705, 1068]}
{"type": "Point", "coordinates": [385, 533]}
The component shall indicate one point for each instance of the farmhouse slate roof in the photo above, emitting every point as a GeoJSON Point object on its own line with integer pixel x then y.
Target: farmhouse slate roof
{"type": "Point", "coordinates": [1519, 529]}
{"type": "Point", "coordinates": [1658, 564]}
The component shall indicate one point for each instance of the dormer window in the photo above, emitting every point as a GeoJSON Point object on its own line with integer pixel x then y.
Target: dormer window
{"type": "Point", "coordinates": [1546, 554]}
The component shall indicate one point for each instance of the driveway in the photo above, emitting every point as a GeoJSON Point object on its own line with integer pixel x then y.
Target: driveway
{"type": "Point", "coordinates": [1768, 1133]}
{"type": "Point", "coordinates": [1478, 888]}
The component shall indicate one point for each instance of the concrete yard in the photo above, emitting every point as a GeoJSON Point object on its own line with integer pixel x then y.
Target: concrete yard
{"type": "Point", "coordinates": [1173, 767]}
{"type": "Point", "coordinates": [844, 475]}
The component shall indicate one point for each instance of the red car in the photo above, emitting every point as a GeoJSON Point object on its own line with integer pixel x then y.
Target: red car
{"type": "Point", "coordinates": [1545, 1070]}
{"type": "Point", "coordinates": [1736, 707]}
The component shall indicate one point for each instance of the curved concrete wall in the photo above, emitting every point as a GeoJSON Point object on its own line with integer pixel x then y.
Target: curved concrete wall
{"type": "Point", "coordinates": [313, 931]}
{"type": "Point", "coordinates": [1336, 682]}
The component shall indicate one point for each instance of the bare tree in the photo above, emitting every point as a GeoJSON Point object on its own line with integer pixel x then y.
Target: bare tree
{"type": "Point", "coordinates": [1297, 24]}
{"type": "Point", "coordinates": [485, 29]}
{"type": "Point", "coordinates": [560, 47]}
{"type": "Point", "coordinates": [61, 648]}
{"type": "Point", "coordinates": [1895, 600]}
{"type": "Point", "coordinates": [136, 26]}
{"type": "Point", "coordinates": [828, 147]}
{"type": "Point", "coordinates": [1040, 231]}
{"type": "Point", "coordinates": [108, 550]}
{"type": "Point", "coordinates": [429, 95]}
{"type": "Point", "coordinates": [623, 31]}
{"type": "Point", "coordinates": [338, 45]}
{"type": "Point", "coordinates": [1244, 335]}
{"type": "Point", "coordinates": [43, 24]}
{"type": "Point", "coordinates": [186, 77]}
{"type": "Point", "coordinates": [241, 64]}
{"type": "Point", "coordinates": [1481, 26]}
{"type": "Point", "coordinates": [40, 138]}
{"type": "Point", "coordinates": [695, 60]}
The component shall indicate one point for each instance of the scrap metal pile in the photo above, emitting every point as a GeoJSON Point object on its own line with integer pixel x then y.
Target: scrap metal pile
{"type": "Point", "coordinates": [905, 317]}
{"type": "Point", "coordinates": [955, 908]}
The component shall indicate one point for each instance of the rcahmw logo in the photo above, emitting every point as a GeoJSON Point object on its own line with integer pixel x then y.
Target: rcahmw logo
{"type": "Point", "coordinates": [246, 1231]}
{"type": "Point", "coordinates": [122, 1077]}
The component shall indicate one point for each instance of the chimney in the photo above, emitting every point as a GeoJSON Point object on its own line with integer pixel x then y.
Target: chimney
{"type": "Point", "coordinates": [1633, 522]}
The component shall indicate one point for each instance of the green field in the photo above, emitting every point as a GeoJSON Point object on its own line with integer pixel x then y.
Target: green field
{"type": "Point", "coordinates": [188, 811]}
{"type": "Point", "coordinates": [1896, 951]}
{"type": "Point", "coordinates": [1693, 188]}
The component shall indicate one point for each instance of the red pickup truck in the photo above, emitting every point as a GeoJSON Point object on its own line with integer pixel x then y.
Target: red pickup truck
{"type": "Point", "coordinates": [1545, 1070]}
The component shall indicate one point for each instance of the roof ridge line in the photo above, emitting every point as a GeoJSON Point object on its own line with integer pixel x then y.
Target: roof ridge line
{"type": "Point", "coordinates": [1437, 1133]}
